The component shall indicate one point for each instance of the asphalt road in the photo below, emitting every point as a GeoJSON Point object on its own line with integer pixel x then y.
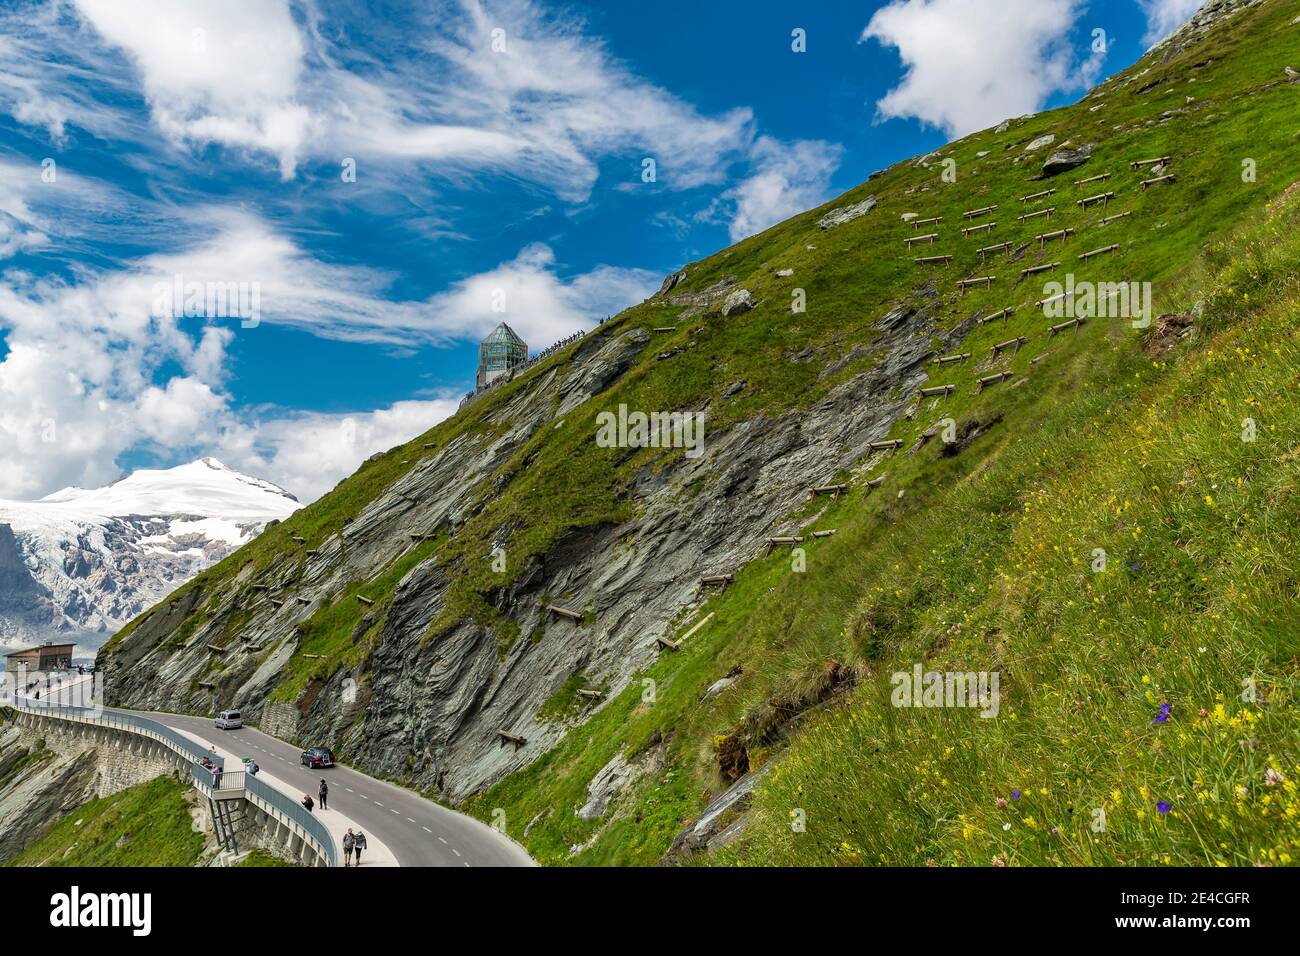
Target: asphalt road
{"type": "Point", "coordinates": [418, 831]}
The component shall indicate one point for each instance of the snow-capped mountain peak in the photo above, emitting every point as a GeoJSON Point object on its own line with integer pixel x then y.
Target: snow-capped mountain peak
{"type": "Point", "coordinates": [97, 557]}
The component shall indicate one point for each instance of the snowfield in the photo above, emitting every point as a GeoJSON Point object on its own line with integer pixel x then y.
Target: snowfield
{"type": "Point", "coordinates": [81, 563]}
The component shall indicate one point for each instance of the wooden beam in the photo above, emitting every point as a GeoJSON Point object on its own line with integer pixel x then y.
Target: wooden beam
{"type": "Point", "coordinates": [1092, 179]}
{"type": "Point", "coordinates": [1035, 361]}
{"type": "Point", "coordinates": [918, 223]}
{"type": "Point", "coordinates": [875, 482]}
{"type": "Point", "coordinates": [889, 443]}
{"type": "Point", "coordinates": [365, 600]}
{"type": "Point", "coordinates": [982, 227]}
{"type": "Point", "coordinates": [1034, 270]}
{"type": "Point", "coordinates": [314, 657]}
{"type": "Point", "coordinates": [964, 284]}
{"type": "Point", "coordinates": [1109, 219]}
{"type": "Point", "coordinates": [989, 250]}
{"type": "Point", "coordinates": [824, 534]}
{"type": "Point", "coordinates": [591, 694]}
{"type": "Point", "coordinates": [564, 612]}
{"type": "Point", "coordinates": [1062, 326]}
{"type": "Point", "coordinates": [784, 539]}
{"type": "Point", "coordinates": [1034, 215]}
{"type": "Point", "coordinates": [1103, 198]}
{"type": "Point", "coordinates": [666, 644]}
{"type": "Point", "coordinates": [1042, 195]}
{"type": "Point", "coordinates": [949, 359]}
{"type": "Point", "coordinates": [1097, 252]}
{"type": "Point", "coordinates": [1045, 237]}
{"type": "Point", "coordinates": [698, 624]}
{"type": "Point", "coordinates": [1003, 315]}
{"type": "Point", "coordinates": [298, 539]}
{"type": "Point", "coordinates": [926, 260]}
{"type": "Point", "coordinates": [971, 214]}
{"type": "Point", "coordinates": [928, 237]}
{"type": "Point", "coordinates": [512, 739]}
{"type": "Point", "coordinates": [723, 579]}
{"type": "Point", "coordinates": [993, 379]}
{"type": "Point", "coordinates": [1138, 164]}
{"type": "Point", "coordinates": [835, 490]}
{"type": "Point", "coordinates": [938, 390]}
{"type": "Point", "coordinates": [1157, 181]}
{"type": "Point", "coordinates": [1009, 343]}
{"type": "Point", "coordinates": [666, 328]}
{"type": "Point", "coordinates": [1055, 298]}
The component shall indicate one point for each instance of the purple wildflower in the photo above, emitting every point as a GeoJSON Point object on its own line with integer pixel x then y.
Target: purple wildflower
{"type": "Point", "coordinates": [1164, 807]}
{"type": "Point", "coordinates": [1015, 794]}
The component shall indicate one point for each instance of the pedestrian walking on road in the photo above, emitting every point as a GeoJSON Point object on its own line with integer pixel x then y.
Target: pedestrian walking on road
{"type": "Point", "coordinates": [306, 802]}
{"type": "Point", "coordinates": [324, 792]}
{"type": "Point", "coordinates": [358, 844]}
{"type": "Point", "coordinates": [349, 841]}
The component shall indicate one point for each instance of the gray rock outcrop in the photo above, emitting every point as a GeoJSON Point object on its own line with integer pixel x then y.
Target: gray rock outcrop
{"type": "Point", "coordinates": [838, 217]}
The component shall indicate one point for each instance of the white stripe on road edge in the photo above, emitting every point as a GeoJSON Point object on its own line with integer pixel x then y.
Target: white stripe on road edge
{"type": "Point", "coordinates": [409, 820]}
{"type": "Point", "coordinates": [456, 851]}
{"type": "Point", "coordinates": [442, 841]}
{"type": "Point", "coordinates": [426, 829]}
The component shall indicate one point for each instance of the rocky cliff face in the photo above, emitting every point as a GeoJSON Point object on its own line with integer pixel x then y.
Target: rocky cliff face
{"type": "Point", "coordinates": [431, 711]}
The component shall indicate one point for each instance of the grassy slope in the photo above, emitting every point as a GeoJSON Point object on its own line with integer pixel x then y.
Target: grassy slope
{"type": "Point", "coordinates": [902, 574]}
{"type": "Point", "coordinates": [154, 815]}
{"type": "Point", "coordinates": [984, 564]}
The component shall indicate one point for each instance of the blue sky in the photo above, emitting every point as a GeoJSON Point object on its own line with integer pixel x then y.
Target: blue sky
{"type": "Point", "coordinates": [498, 148]}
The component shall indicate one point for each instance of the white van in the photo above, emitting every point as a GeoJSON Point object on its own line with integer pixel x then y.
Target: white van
{"type": "Point", "coordinates": [229, 720]}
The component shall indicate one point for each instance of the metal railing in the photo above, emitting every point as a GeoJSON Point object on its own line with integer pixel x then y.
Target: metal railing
{"type": "Point", "coordinates": [296, 812]}
{"type": "Point", "coordinates": [205, 780]}
{"type": "Point", "coordinates": [202, 777]}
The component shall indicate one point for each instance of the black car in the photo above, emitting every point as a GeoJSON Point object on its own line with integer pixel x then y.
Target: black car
{"type": "Point", "coordinates": [318, 757]}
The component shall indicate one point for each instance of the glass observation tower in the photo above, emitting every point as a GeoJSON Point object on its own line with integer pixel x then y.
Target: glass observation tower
{"type": "Point", "coordinates": [500, 352]}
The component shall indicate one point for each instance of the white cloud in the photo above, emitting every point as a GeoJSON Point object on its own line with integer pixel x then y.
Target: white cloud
{"type": "Point", "coordinates": [1164, 16]}
{"type": "Point", "coordinates": [541, 308]}
{"type": "Point", "coordinates": [787, 179]}
{"type": "Point", "coordinates": [309, 453]}
{"type": "Point", "coordinates": [81, 383]}
{"type": "Point", "coordinates": [223, 71]}
{"type": "Point", "coordinates": [307, 80]}
{"type": "Point", "coordinates": [970, 63]}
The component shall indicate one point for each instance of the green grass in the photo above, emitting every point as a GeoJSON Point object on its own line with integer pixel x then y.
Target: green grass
{"type": "Point", "coordinates": [260, 857]}
{"type": "Point", "coordinates": [958, 571]}
{"type": "Point", "coordinates": [154, 817]}
{"type": "Point", "coordinates": [984, 560]}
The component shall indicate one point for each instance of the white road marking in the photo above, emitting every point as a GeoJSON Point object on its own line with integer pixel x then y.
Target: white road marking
{"type": "Point", "coordinates": [409, 820]}
{"type": "Point", "coordinates": [348, 789]}
{"type": "Point", "coordinates": [378, 804]}
{"type": "Point", "coordinates": [442, 841]}
{"type": "Point", "coordinates": [456, 851]}
{"type": "Point", "coordinates": [426, 829]}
